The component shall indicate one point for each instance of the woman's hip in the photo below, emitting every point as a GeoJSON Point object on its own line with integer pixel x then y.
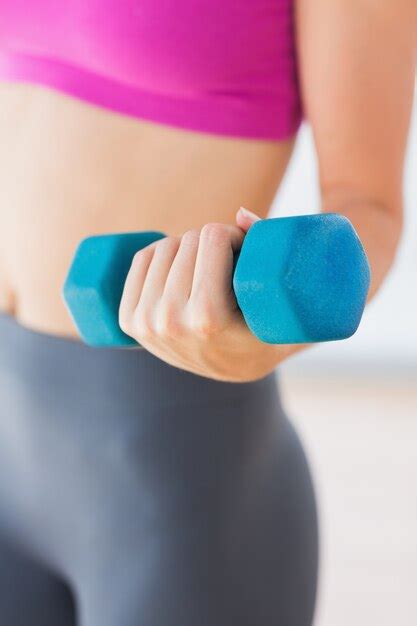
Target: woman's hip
{"type": "Point", "coordinates": [130, 449]}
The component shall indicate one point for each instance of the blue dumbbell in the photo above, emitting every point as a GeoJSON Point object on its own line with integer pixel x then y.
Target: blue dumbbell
{"type": "Point", "coordinates": [296, 280]}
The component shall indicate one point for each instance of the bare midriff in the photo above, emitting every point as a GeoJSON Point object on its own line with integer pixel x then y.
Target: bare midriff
{"type": "Point", "coordinates": [69, 170]}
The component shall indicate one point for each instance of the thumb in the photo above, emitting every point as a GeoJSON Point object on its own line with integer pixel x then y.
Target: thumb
{"type": "Point", "coordinates": [245, 218]}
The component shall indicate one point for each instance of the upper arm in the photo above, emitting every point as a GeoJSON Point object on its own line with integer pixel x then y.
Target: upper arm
{"type": "Point", "coordinates": [357, 71]}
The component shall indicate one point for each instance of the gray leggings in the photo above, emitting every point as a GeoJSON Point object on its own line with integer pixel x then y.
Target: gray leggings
{"type": "Point", "coordinates": [133, 493]}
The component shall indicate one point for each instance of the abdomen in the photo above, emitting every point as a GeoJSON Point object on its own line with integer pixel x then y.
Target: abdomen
{"type": "Point", "coordinates": [69, 170]}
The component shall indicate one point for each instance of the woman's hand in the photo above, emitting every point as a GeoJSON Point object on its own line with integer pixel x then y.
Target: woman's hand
{"type": "Point", "coordinates": [178, 303]}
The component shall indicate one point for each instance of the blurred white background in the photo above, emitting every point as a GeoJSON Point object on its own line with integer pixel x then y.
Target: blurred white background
{"type": "Point", "coordinates": [355, 406]}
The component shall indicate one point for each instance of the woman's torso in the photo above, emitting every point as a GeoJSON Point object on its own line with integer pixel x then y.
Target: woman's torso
{"type": "Point", "coordinates": [68, 170]}
{"type": "Point", "coordinates": [197, 78]}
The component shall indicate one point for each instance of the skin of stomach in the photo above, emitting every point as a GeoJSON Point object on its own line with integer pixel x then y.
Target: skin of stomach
{"type": "Point", "coordinates": [69, 170]}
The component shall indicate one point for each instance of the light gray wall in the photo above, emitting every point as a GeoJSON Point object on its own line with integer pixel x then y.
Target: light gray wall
{"type": "Point", "coordinates": [387, 336]}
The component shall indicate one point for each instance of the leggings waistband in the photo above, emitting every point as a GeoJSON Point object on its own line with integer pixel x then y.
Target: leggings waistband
{"type": "Point", "coordinates": [70, 366]}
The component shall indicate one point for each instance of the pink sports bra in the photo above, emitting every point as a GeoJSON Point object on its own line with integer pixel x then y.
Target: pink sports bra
{"type": "Point", "coordinates": [219, 66]}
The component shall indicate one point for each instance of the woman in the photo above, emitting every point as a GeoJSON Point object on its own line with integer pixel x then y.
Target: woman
{"type": "Point", "coordinates": [166, 486]}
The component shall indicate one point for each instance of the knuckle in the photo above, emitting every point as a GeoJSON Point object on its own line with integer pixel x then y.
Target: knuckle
{"type": "Point", "coordinates": [141, 256]}
{"type": "Point", "coordinates": [205, 327]}
{"type": "Point", "coordinates": [190, 238]}
{"type": "Point", "coordinates": [167, 321]}
{"type": "Point", "coordinates": [168, 244]}
{"type": "Point", "coordinates": [215, 231]}
{"type": "Point", "coordinates": [201, 302]}
{"type": "Point", "coordinates": [143, 325]}
{"type": "Point", "coordinates": [204, 324]}
{"type": "Point", "coordinates": [124, 321]}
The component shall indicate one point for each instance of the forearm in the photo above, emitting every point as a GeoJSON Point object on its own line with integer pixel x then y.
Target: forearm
{"type": "Point", "coordinates": [357, 69]}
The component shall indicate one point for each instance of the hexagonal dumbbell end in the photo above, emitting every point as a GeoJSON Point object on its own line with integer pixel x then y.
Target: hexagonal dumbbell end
{"type": "Point", "coordinates": [94, 285]}
{"type": "Point", "coordinates": [302, 279]}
